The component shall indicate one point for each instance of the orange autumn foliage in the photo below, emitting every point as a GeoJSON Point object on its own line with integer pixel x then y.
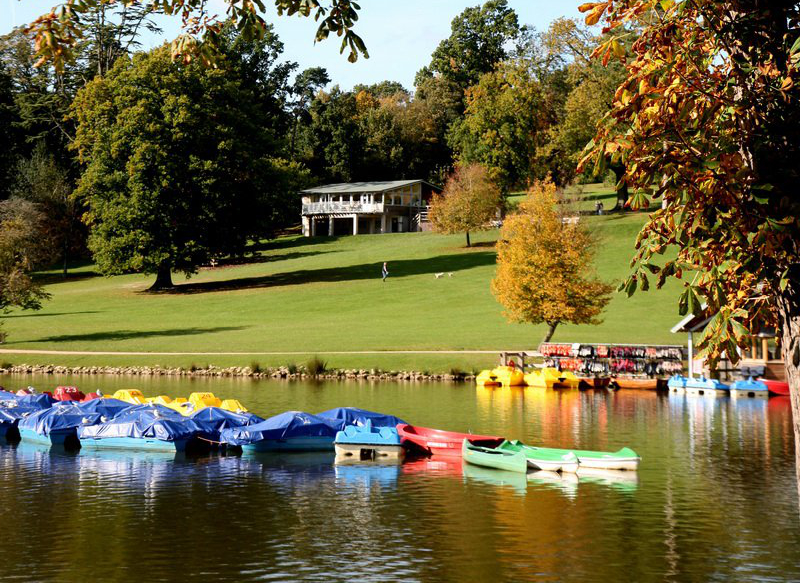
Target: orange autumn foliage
{"type": "Point", "coordinates": [544, 266]}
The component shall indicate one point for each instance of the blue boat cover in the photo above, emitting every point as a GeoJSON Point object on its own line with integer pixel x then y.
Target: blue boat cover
{"type": "Point", "coordinates": [40, 401]}
{"type": "Point", "coordinates": [10, 415]}
{"type": "Point", "coordinates": [368, 435]}
{"type": "Point", "coordinates": [108, 408]}
{"type": "Point", "coordinates": [284, 426]}
{"type": "Point", "coordinates": [67, 416]}
{"type": "Point", "coordinates": [6, 396]}
{"type": "Point", "coordinates": [214, 419]}
{"type": "Point", "coordinates": [354, 416]}
{"type": "Point", "coordinates": [144, 421]}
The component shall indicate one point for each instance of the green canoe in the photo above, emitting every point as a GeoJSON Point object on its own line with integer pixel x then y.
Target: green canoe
{"type": "Point", "coordinates": [624, 459]}
{"type": "Point", "coordinates": [493, 458]}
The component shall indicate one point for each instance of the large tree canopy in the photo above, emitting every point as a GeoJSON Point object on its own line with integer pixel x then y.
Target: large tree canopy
{"type": "Point", "coordinates": [179, 167]}
{"type": "Point", "coordinates": [707, 120]}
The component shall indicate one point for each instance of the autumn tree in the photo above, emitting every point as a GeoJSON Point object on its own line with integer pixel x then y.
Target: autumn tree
{"type": "Point", "coordinates": [707, 120]}
{"type": "Point", "coordinates": [469, 202]}
{"type": "Point", "coordinates": [22, 249]}
{"type": "Point", "coordinates": [544, 266]}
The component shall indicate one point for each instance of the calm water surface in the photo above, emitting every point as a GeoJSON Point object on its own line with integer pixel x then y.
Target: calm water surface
{"type": "Point", "coordinates": [715, 498]}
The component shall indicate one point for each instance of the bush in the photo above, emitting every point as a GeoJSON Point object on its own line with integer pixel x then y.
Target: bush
{"type": "Point", "coordinates": [193, 367]}
{"type": "Point", "coordinates": [457, 372]}
{"type": "Point", "coordinates": [255, 367]}
{"type": "Point", "coordinates": [6, 365]}
{"type": "Point", "coordinates": [316, 366]}
{"type": "Point", "coordinates": [292, 368]}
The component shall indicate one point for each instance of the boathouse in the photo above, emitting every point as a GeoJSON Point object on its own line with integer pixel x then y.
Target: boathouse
{"type": "Point", "coordinates": [395, 206]}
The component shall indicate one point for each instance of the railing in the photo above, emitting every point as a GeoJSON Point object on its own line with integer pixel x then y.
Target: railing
{"type": "Point", "coordinates": [342, 207]}
{"type": "Point", "coordinates": [423, 214]}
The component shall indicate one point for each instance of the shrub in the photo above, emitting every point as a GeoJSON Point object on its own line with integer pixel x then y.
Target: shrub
{"type": "Point", "coordinates": [292, 368]}
{"type": "Point", "coordinates": [6, 365]}
{"type": "Point", "coordinates": [457, 372]}
{"type": "Point", "coordinates": [316, 366]}
{"type": "Point", "coordinates": [255, 367]}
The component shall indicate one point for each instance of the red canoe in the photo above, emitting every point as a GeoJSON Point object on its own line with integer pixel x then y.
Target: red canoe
{"type": "Point", "coordinates": [776, 387]}
{"type": "Point", "coordinates": [438, 442]}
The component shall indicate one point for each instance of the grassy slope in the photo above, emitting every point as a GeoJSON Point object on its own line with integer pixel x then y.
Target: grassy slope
{"type": "Point", "coordinates": [326, 294]}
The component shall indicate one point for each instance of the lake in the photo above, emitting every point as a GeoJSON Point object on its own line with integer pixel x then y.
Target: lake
{"type": "Point", "coordinates": [715, 498]}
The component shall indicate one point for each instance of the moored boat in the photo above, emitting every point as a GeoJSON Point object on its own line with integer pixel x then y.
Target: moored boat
{"type": "Point", "coordinates": [132, 396]}
{"type": "Point", "coordinates": [677, 383]}
{"type": "Point", "coordinates": [624, 459]}
{"type": "Point", "coordinates": [540, 458]}
{"type": "Point", "coordinates": [597, 383]}
{"type": "Point", "coordinates": [486, 378]}
{"type": "Point", "coordinates": [490, 457]}
{"type": "Point", "coordinates": [289, 431]}
{"type": "Point", "coordinates": [640, 383]}
{"type": "Point", "coordinates": [202, 400]}
{"type": "Point", "coordinates": [214, 420]}
{"type": "Point", "coordinates": [233, 405]}
{"type": "Point", "coordinates": [345, 416]}
{"type": "Point", "coordinates": [441, 443]}
{"type": "Point", "coordinates": [776, 387]}
{"type": "Point", "coordinates": [148, 427]}
{"type": "Point", "coordinates": [68, 394]}
{"type": "Point", "coordinates": [552, 378]}
{"type": "Point", "coordinates": [509, 376]}
{"type": "Point", "coordinates": [56, 425]}
{"type": "Point", "coordinates": [366, 442]}
{"type": "Point", "coordinates": [749, 388]}
{"type": "Point", "coordinates": [707, 387]}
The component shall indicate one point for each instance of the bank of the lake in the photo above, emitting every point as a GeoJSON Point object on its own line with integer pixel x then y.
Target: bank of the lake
{"type": "Point", "coordinates": [715, 498]}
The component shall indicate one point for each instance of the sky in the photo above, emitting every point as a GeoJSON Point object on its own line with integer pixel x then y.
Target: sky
{"type": "Point", "coordinates": [400, 34]}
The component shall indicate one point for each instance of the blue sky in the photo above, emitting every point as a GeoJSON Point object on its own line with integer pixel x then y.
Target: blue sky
{"type": "Point", "coordinates": [400, 34]}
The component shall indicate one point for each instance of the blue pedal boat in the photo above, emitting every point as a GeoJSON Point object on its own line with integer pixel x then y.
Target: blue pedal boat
{"type": "Point", "coordinates": [365, 442]}
{"type": "Point", "coordinates": [354, 416]}
{"type": "Point", "coordinates": [677, 383]}
{"type": "Point", "coordinates": [56, 425]}
{"type": "Point", "coordinates": [749, 388]}
{"type": "Point", "coordinates": [289, 431]}
{"type": "Point", "coordinates": [15, 408]}
{"type": "Point", "coordinates": [706, 387]}
{"type": "Point", "coordinates": [142, 427]}
{"type": "Point", "coordinates": [213, 420]}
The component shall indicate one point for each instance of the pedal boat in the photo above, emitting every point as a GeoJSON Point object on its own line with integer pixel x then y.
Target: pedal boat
{"type": "Point", "coordinates": [365, 442]}
{"type": "Point", "coordinates": [552, 378]}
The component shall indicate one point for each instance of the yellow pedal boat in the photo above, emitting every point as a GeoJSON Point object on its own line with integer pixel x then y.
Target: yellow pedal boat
{"type": "Point", "coordinates": [552, 378]}
{"type": "Point", "coordinates": [233, 405]}
{"type": "Point", "coordinates": [509, 376]}
{"type": "Point", "coordinates": [132, 396]}
{"type": "Point", "coordinates": [486, 378]}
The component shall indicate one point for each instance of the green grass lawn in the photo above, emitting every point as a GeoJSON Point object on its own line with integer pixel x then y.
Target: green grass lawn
{"type": "Point", "coordinates": [325, 294]}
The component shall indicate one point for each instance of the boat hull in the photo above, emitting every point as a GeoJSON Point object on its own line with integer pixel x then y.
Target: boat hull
{"type": "Point", "coordinates": [541, 458]}
{"type": "Point", "coordinates": [368, 451]}
{"type": "Point", "coordinates": [494, 458]}
{"type": "Point", "coordinates": [597, 383]}
{"type": "Point", "coordinates": [291, 444]}
{"type": "Point", "coordinates": [140, 443]}
{"type": "Point", "coordinates": [776, 387]}
{"type": "Point", "coordinates": [56, 437]}
{"type": "Point", "coordinates": [640, 384]}
{"type": "Point", "coordinates": [436, 442]}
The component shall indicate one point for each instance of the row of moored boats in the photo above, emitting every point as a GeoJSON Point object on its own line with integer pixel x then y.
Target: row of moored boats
{"type": "Point", "coordinates": [128, 420]}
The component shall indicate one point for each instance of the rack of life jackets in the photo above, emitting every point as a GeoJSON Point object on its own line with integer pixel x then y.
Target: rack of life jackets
{"type": "Point", "coordinates": [599, 360]}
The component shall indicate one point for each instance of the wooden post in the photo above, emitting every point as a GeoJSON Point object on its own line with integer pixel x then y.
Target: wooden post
{"type": "Point", "coordinates": [690, 345]}
{"type": "Point", "coordinates": [330, 226]}
{"type": "Point", "coordinates": [355, 224]}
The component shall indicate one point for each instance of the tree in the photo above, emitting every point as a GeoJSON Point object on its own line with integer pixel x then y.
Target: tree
{"type": "Point", "coordinates": [707, 119]}
{"type": "Point", "coordinates": [9, 136]}
{"type": "Point", "coordinates": [306, 85]}
{"type": "Point", "coordinates": [178, 169]}
{"type": "Point", "coordinates": [479, 39]}
{"type": "Point", "coordinates": [21, 251]}
{"type": "Point", "coordinates": [58, 33]}
{"type": "Point", "coordinates": [469, 202]}
{"type": "Point", "coordinates": [544, 272]}
{"type": "Point", "coordinates": [42, 181]}
{"type": "Point", "coordinates": [504, 124]}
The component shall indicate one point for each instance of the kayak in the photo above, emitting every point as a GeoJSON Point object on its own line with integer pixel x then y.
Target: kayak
{"type": "Point", "coordinates": [441, 443]}
{"type": "Point", "coordinates": [776, 387]}
{"type": "Point", "coordinates": [493, 458]}
{"type": "Point", "coordinates": [624, 459]}
{"type": "Point", "coordinates": [542, 458]}
{"type": "Point", "coordinates": [552, 378]}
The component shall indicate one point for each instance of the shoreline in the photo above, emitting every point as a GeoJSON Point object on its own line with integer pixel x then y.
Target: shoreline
{"type": "Point", "coordinates": [282, 372]}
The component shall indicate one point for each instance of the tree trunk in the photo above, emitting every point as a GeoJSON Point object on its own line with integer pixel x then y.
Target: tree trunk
{"type": "Point", "coordinates": [789, 318]}
{"type": "Point", "coordinates": [467, 238]}
{"type": "Point", "coordinates": [551, 329]}
{"type": "Point", "coordinates": [163, 278]}
{"type": "Point", "coordinates": [620, 186]}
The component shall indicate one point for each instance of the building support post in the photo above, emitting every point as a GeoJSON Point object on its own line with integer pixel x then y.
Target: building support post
{"type": "Point", "coordinates": [313, 227]}
{"type": "Point", "coordinates": [355, 224]}
{"type": "Point", "coordinates": [383, 223]}
{"type": "Point", "coordinates": [690, 345]}
{"type": "Point", "coordinates": [307, 226]}
{"type": "Point", "coordinates": [330, 226]}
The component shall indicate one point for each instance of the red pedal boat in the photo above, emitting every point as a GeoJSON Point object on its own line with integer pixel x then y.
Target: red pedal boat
{"type": "Point", "coordinates": [438, 442]}
{"type": "Point", "coordinates": [776, 387]}
{"type": "Point", "coordinates": [68, 394]}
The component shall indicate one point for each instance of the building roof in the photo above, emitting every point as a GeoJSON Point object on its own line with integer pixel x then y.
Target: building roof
{"type": "Point", "coordinates": [360, 187]}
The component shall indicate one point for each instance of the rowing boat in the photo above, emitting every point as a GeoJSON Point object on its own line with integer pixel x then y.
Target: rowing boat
{"type": "Point", "coordinates": [441, 443]}
{"type": "Point", "coordinates": [624, 459]}
{"type": "Point", "coordinates": [493, 458]}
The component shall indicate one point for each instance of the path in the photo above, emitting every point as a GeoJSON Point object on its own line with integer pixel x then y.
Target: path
{"type": "Point", "coordinates": [300, 353]}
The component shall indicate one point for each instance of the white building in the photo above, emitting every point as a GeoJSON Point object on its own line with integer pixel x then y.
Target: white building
{"type": "Point", "coordinates": [396, 206]}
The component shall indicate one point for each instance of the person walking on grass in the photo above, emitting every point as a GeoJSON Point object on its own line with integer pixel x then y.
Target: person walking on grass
{"type": "Point", "coordinates": [384, 272]}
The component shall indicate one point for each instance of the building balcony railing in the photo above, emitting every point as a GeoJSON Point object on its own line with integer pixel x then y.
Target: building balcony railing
{"type": "Point", "coordinates": [341, 207]}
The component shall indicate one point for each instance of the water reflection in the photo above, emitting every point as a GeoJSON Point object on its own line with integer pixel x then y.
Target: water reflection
{"type": "Point", "coordinates": [715, 497]}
